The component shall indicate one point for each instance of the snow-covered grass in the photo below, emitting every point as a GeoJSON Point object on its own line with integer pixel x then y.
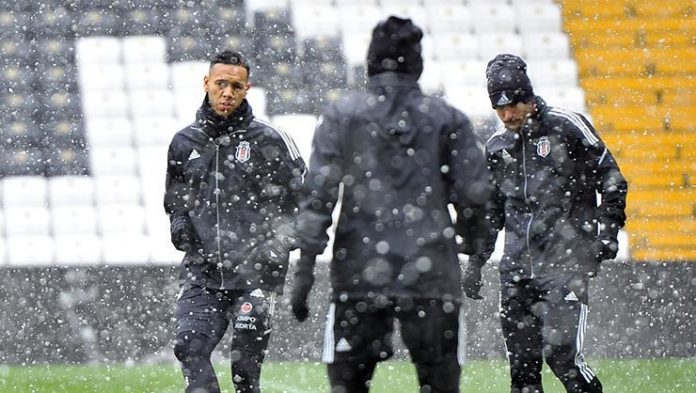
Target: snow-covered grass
{"type": "Point", "coordinates": [480, 376]}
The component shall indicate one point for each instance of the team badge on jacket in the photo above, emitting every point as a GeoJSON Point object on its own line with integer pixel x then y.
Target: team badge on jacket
{"type": "Point", "coordinates": [543, 146]}
{"type": "Point", "coordinates": [243, 152]}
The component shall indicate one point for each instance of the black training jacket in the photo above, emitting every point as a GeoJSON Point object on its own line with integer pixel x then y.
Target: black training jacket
{"type": "Point", "coordinates": [239, 181]}
{"type": "Point", "coordinates": [392, 159]}
{"type": "Point", "coordinates": [547, 177]}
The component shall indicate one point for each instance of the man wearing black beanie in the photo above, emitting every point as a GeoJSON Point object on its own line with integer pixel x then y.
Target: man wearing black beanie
{"type": "Point", "coordinates": [548, 166]}
{"type": "Point", "coordinates": [399, 159]}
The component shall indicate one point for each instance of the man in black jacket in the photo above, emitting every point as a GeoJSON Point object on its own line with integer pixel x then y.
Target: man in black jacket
{"type": "Point", "coordinates": [394, 159]}
{"type": "Point", "coordinates": [549, 168]}
{"type": "Point", "coordinates": [231, 194]}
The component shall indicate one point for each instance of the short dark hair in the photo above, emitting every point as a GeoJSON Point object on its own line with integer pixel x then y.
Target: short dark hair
{"type": "Point", "coordinates": [231, 57]}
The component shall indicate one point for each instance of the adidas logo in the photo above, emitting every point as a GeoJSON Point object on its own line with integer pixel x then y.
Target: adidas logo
{"type": "Point", "coordinates": [571, 297]}
{"type": "Point", "coordinates": [342, 345]}
{"type": "Point", "coordinates": [194, 154]}
{"type": "Point", "coordinates": [503, 100]}
{"type": "Point", "coordinates": [257, 293]}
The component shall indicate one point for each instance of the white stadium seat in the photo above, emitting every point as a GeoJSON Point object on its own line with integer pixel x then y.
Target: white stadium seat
{"type": "Point", "coordinates": [151, 102]}
{"type": "Point", "coordinates": [313, 20]}
{"type": "Point", "coordinates": [466, 73]}
{"type": "Point", "coordinates": [538, 17]}
{"type": "Point", "coordinates": [27, 220]}
{"type": "Point", "coordinates": [24, 191]}
{"type": "Point", "coordinates": [448, 18]}
{"type": "Point", "coordinates": [358, 18]}
{"type": "Point", "coordinates": [71, 220]}
{"type": "Point", "coordinates": [30, 250]}
{"type": "Point", "coordinates": [431, 81]}
{"type": "Point", "coordinates": [455, 46]}
{"type": "Point", "coordinates": [188, 74]}
{"type": "Point", "coordinates": [109, 132]}
{"type": "Point", "coordinates": [127, 218]}
{"type": "Point", "coordinates": [125, 249]}
{"type": "Point", "coordinates": [117, 189]}
{"type": "Point", "coordinates": [492, 18]}
{"type": "Point", "coordinates": [105, 103]}
{"type": "Point", "coordinates": [473, 101]}
{"type": "Point", "coordinates": [256, 96]}
{"type": "Point", "coordinates": [546, 46]}
{"type": "Point", "coordinates": [144, 49]}
{"type": "Point", "coordinates": [355, 47]}
{"type": "Point", "coordinates": [78, 249]}
{"type": "Point", "coordinates": [112, 161]}
{"type": "Point", "coordinates": [154, 130]}
{"type": "Point", "coordinates": [70, 191]}
{"type": "Point", "coordinates": [102, 49]}
{"type": "Point", "coordinates": [147, 76]}
{"type": "Point", "coordinates": [492, 44]}
{"type": "Point", "coordinates": [561, 72]}
{"type": "Point", "coordinates": [102, 76]}
{"type": "Point", "coordinates": [568, 97]}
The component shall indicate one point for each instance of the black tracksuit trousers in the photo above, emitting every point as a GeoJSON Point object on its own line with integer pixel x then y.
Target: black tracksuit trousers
{"type": "Point", "coordinates": [545, 318]}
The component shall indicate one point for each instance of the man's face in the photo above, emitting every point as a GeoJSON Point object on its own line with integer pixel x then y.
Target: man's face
{"type": "Point", "coordinates": [227, 86]}
{"type": "Point", "coordinates": [514, 115]}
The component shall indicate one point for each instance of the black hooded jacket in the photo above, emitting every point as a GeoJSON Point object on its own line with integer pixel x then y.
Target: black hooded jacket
{"type": "Point", "coordinates": [547, 178]}
{"type": "Point", "coordinates": [393, 159]}
{"type": "Point", "coordinates": [238, 180]}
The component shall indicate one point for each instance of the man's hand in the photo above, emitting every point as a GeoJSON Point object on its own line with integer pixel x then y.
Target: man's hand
{"type": "Point", "coordinates": [472, 282]}
{"type": "Point", "coordinates": [182, 232]}
{"type": "Point", "coordinates": [605, 249]}
{"type": "Point", "coordinates": [302, 285]}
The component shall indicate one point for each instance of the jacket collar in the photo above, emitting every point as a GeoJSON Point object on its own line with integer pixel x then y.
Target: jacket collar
{"type": "Point", "coordinates": [387, 82]}
{"type": "Point", "coordinates": [215, 125]}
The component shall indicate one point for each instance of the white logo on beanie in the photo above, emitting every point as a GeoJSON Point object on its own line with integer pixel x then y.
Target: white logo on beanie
{"type": "Point", "coordinates": [503, 100]}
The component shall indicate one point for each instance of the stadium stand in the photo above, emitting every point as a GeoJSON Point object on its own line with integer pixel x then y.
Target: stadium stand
{"type": "Point", "coordinates": [638, 76]}
{"type": "Point", "coordinates": [113, 80]}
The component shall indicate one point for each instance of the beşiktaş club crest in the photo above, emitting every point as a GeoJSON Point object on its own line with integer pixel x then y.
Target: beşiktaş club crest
{"type": "Point", "coordinates": [243, 152]}
{"type": "Point", "coordinates": [543, 146]}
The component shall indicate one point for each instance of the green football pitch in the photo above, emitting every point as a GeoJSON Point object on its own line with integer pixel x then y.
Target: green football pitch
{"type": "Point", "coordinates": [618, 376]}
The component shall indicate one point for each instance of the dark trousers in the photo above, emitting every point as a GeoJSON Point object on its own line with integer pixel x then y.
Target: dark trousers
{"type": "Point", "coordinates": [203, 316]}
{"type": "Point", "coordinates": [545, 318]}
{"type": "Point", "coordinates": [359, 335]}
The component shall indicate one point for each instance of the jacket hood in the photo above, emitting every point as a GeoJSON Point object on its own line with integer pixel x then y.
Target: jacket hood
{"type": "Point", "coordinates": [395, 111]}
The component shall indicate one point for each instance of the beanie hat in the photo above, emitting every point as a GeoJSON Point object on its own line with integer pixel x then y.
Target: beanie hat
{"type": "Point", "coordinates": [395, 46]}
{"type": "Point", "coordinates": [507, 81]}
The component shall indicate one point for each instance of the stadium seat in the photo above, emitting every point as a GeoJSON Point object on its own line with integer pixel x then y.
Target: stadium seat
{"type": "Point", "coordinates": [71, 220]}
{"type": "Point", "coordinates": [121, 219]}
{"type": "Point", "coordinates": [70, 191]}
{"type": "Point", "coordinates": [150, 102]}
{"type": "Point", "coordinates": [473, 101]}
{"type": "Point", "coordinates": [561, 72]}
{"type": "Point", "coordinates": [56, 75]}
{"type": "Point", "coordinates": [100, 50]}
{"type": "Point", "coordinates": [52, 20]}
{"type": "Point", "coordinates": [27, 220]}
{"type": "Point", "coordinates": [30, 250]}
{"type": "Point", "coordinates": [27, 161]}
{"type": "Point", "coordinates": [312, 20]}
{"type": "Point", "coordinates": [62, 160]}
{"type": "Point", "coordinates": [493, 44]}
{"type": "Point", "coordinates": [109, 132]}
{"type": "Point", "coordinates": [568, 97]}
{"type": "Point", "coordinates": [186, 104]}
{"type": "Point", "coordinates": [358, 18]}
{"type": "Point", "coordinates": [431, 80]}
{"type": "Point", "coordinates": [117, 189]}
{"type": "Point", "coordinates": [112, 160]}
{"type": "Point", "coordinates": [538, 17]}
{"type": "Point", "coordinates": [154, 130]}
{"type": "Point", "coordinates": [256, 96]}
{"type": "Point", "coordinates": [77, 249]}
{"type": "Point", "coordinates": [105, 103]}
{"type": "Point", "coordinates": [125, 249]}
{"type": "Point", "coordinates": [16, 78]}
{"type": "Point", "coordinates": [466, 73]}
{"type": "Point", "coordinates": [545, 46]}
{"type": "Point", "coordinates": [96, 22]}
{"type": "Point", "coordinates": [188, 74]}
{"type": "Point", "coordinates": [448, 18]}
{"type": "Point", "coordinates": [20, 133]}
{"type": "Point", "coordinates": [187, 47]}
{"type": "Point", "coordinates": [152, 75]}
{"type": "Point", "coordinates": [489, 17]}
{"type": "Point", "coordinates": [355, 46]}
{"type": "Point", "coordinates": [455, 46]}
{"type": "Point", "coordinates": [144, 49]}
{"type": "Point", "coordinates": [24, 191]}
